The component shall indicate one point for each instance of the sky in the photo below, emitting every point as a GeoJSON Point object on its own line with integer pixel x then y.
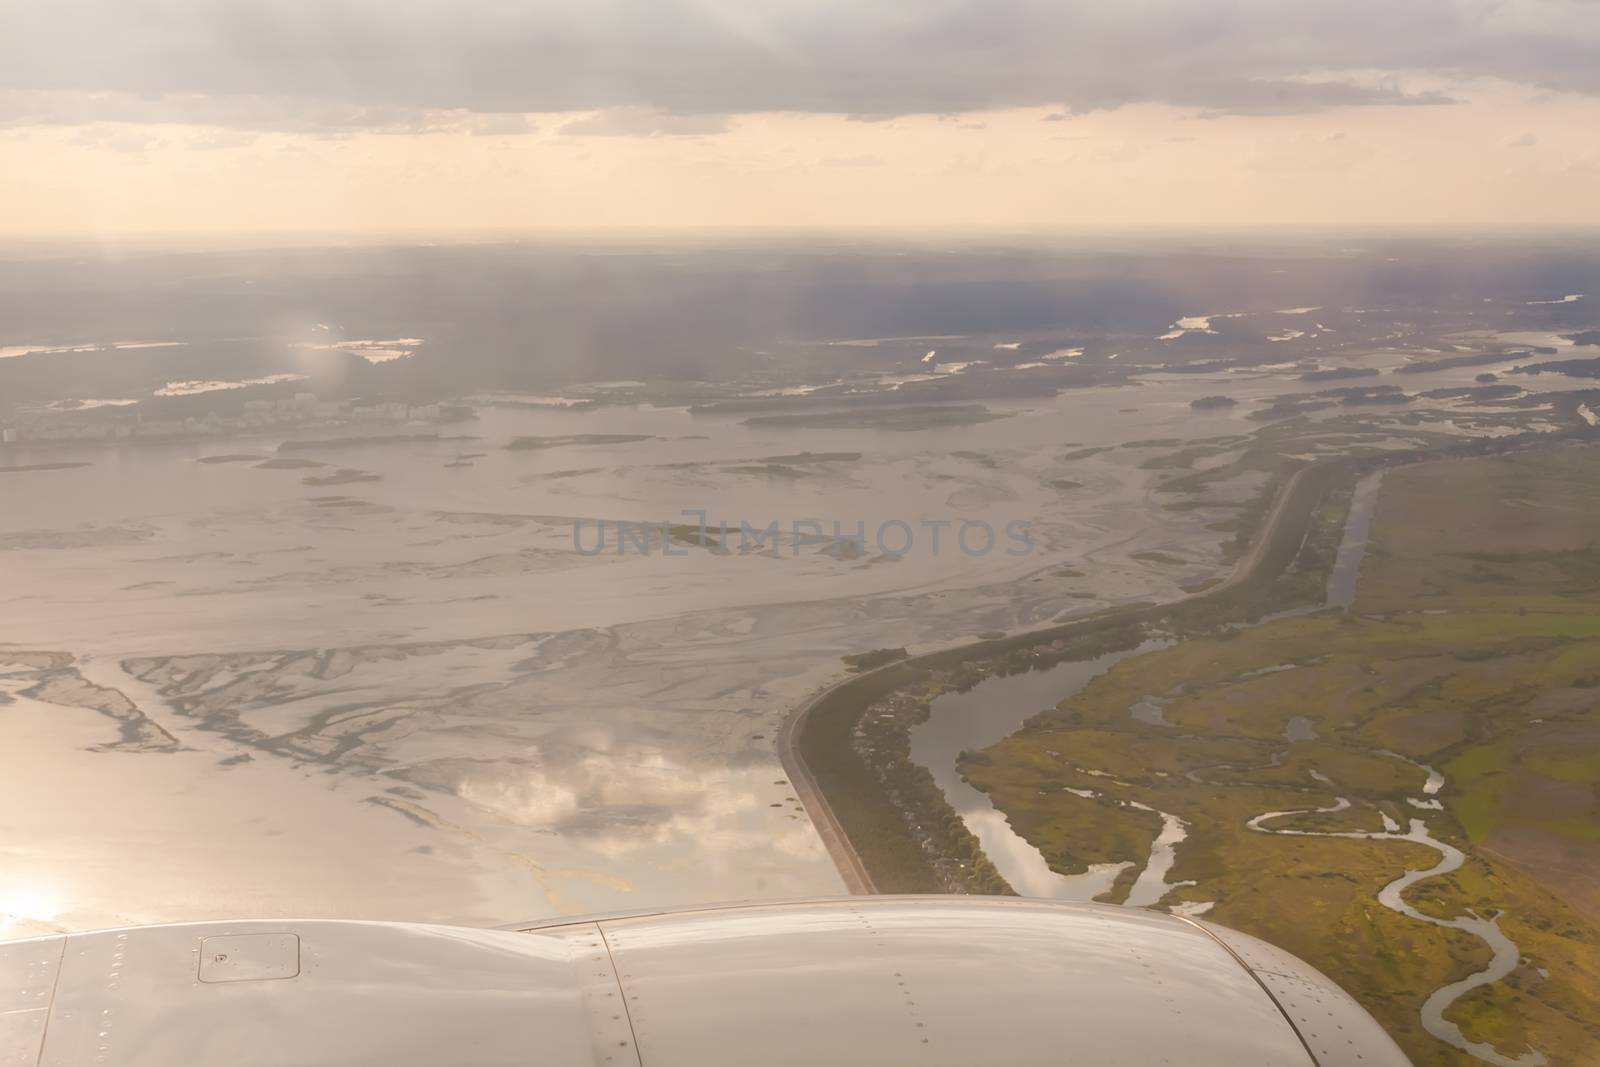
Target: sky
{"type": "Point", "coordinates": [468, 116]}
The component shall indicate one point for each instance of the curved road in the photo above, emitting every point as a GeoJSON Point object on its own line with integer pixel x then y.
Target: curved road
{"type": "Point", "coordinates": [844, 855]}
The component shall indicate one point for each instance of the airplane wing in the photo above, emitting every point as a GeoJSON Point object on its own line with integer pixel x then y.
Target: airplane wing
{"type": "Point", "coordinates": [853, 981]}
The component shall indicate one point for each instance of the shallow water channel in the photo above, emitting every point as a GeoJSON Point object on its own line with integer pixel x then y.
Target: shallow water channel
{"type": "Point", "coordinates": [988, 712]}
{"type": "Point", "coordinates": [997, 707]}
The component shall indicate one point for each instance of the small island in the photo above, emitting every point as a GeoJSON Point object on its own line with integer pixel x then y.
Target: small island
{"type": "Point", "coordinates": [878, 657]}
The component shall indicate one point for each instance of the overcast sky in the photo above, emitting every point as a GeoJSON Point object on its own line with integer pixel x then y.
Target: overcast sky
{"type": "Point", "coordinates": [120, 115]}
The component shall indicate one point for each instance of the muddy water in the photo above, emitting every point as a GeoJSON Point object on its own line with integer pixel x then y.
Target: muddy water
{"type": "Point", "coordinates": [616, 753]}
{"type": "Point", "coordinates": [541, 732]}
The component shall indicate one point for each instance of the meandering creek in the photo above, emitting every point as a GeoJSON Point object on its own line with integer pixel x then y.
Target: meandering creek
{"type": "Point", "coordinates": [1392, 896]}
{"type": "Point", "coordinates": [997, 707]}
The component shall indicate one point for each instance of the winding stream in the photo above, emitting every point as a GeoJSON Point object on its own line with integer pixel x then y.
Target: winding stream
{"type": "Point", "coordinates": [1392, 896]}
{"type": "Point", "coordinates": [997, 707]}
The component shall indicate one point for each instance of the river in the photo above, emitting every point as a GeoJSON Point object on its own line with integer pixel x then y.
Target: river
{"type": "Point", "coordinates": [989, 712]}
{"type": "Point", "coordinates": [998, 706]}
{"type": "Point", "coordinates": [1353, 545]}
{"type": "Point", "coordinates": [1392, 896]}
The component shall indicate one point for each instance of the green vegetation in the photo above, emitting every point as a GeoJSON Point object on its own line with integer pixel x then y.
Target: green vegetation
{"type": "Point", "coordinates": [287, 465]}
{"type": "Point", "coordinates": [361, 441]}
{"type": "Point", "coordinates": [853, 776]}
{"type": "Point", "coordinates": [1575, 368]}
{"type": "Point", "coordinates": [1561, 764]}
{"type": "Point", "coordinates": [769, 470]}
{"type": "Point", "coordinates": [866, 661]}
{"type": "Point", "coordinates": [706, 537]}
{"type": "Point", "coordinates": [854, 738]}
{"type": "Point", "coordinates": [1424, 366]}
{"type": "Point", "coordinates": [799, 458]}
{"type": "Point", "coordinates": [25, 467]}
{"type": "Point", "coordinates": [1201, 586]}
{"type": "Point", "coordinates": [342, 476]}
{"type": "Point", "coordinates": [1334, 374]}
{"type": "Point", "coordinates": [901, 419]}
{"type": "Point", "coordinates": [1186, 458]}
{"type": "Point", "coordinates": [1472, 647]}
{"type": "Point", "coordinates": [534, 444]}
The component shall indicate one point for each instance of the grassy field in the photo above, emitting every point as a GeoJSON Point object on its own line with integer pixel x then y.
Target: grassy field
{"type": "Point", "coordinates": [1473, 647]}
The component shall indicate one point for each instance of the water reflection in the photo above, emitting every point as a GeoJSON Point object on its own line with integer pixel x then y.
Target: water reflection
{"type": "Point", "coordinates": [339, 666]}
{"type": "Point", "coordinates": [990, 711]}
{"type": "Point", "coordinates": [1357, 530]}
{"type": "Point", "coordinates": [29, 908]}
{"type": "Point", "coordinates": [997, 707]}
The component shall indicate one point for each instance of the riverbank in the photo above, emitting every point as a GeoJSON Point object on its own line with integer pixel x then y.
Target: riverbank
{"type": "Point", "coordinates": [868, 837]}
{"type": "Point", "coordinates": [1403, 794]}
{"type": "Point", "coordinates": [873, 840]}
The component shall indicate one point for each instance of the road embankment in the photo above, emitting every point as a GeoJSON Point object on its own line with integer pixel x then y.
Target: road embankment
{"type": "Point", "coordinates": [867, 836]}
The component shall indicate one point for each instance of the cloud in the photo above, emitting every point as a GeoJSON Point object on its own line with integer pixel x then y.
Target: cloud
{"type": "Point", "coordinates": [395, 64]}
{"type": "Point", "coordinates": [500, 125]}
{"type": "Point", "coordinates": [116, 139]}
{"type": "Point", "coordinates": [1526, 140]}
{"type": "Point", "coordinates": [643, 122]}
{"type": "Point", "coordinates": [210, 139]}
{"type": "Point", "coordinates": [1292, 97]}
{"type": "Point", "coordinates": [261, 114]}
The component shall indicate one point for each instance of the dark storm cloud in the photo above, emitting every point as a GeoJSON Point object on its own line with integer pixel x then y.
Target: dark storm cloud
{"type": "Point", "coordinates": [364, 62]}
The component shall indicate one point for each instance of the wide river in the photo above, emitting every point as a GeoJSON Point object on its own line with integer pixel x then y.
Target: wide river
{"type": "Point", "coordinates": [388, 686]}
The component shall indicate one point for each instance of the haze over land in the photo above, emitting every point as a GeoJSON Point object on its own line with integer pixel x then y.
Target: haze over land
{"type": "Point", "coordinates": [225, 116]}
{"type": "Point", "coordinates": [481, 462]}
{"type": "Point", "coordinates": [336, 567]}
{"type": "Point", "coordinates": [1443, 724]}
